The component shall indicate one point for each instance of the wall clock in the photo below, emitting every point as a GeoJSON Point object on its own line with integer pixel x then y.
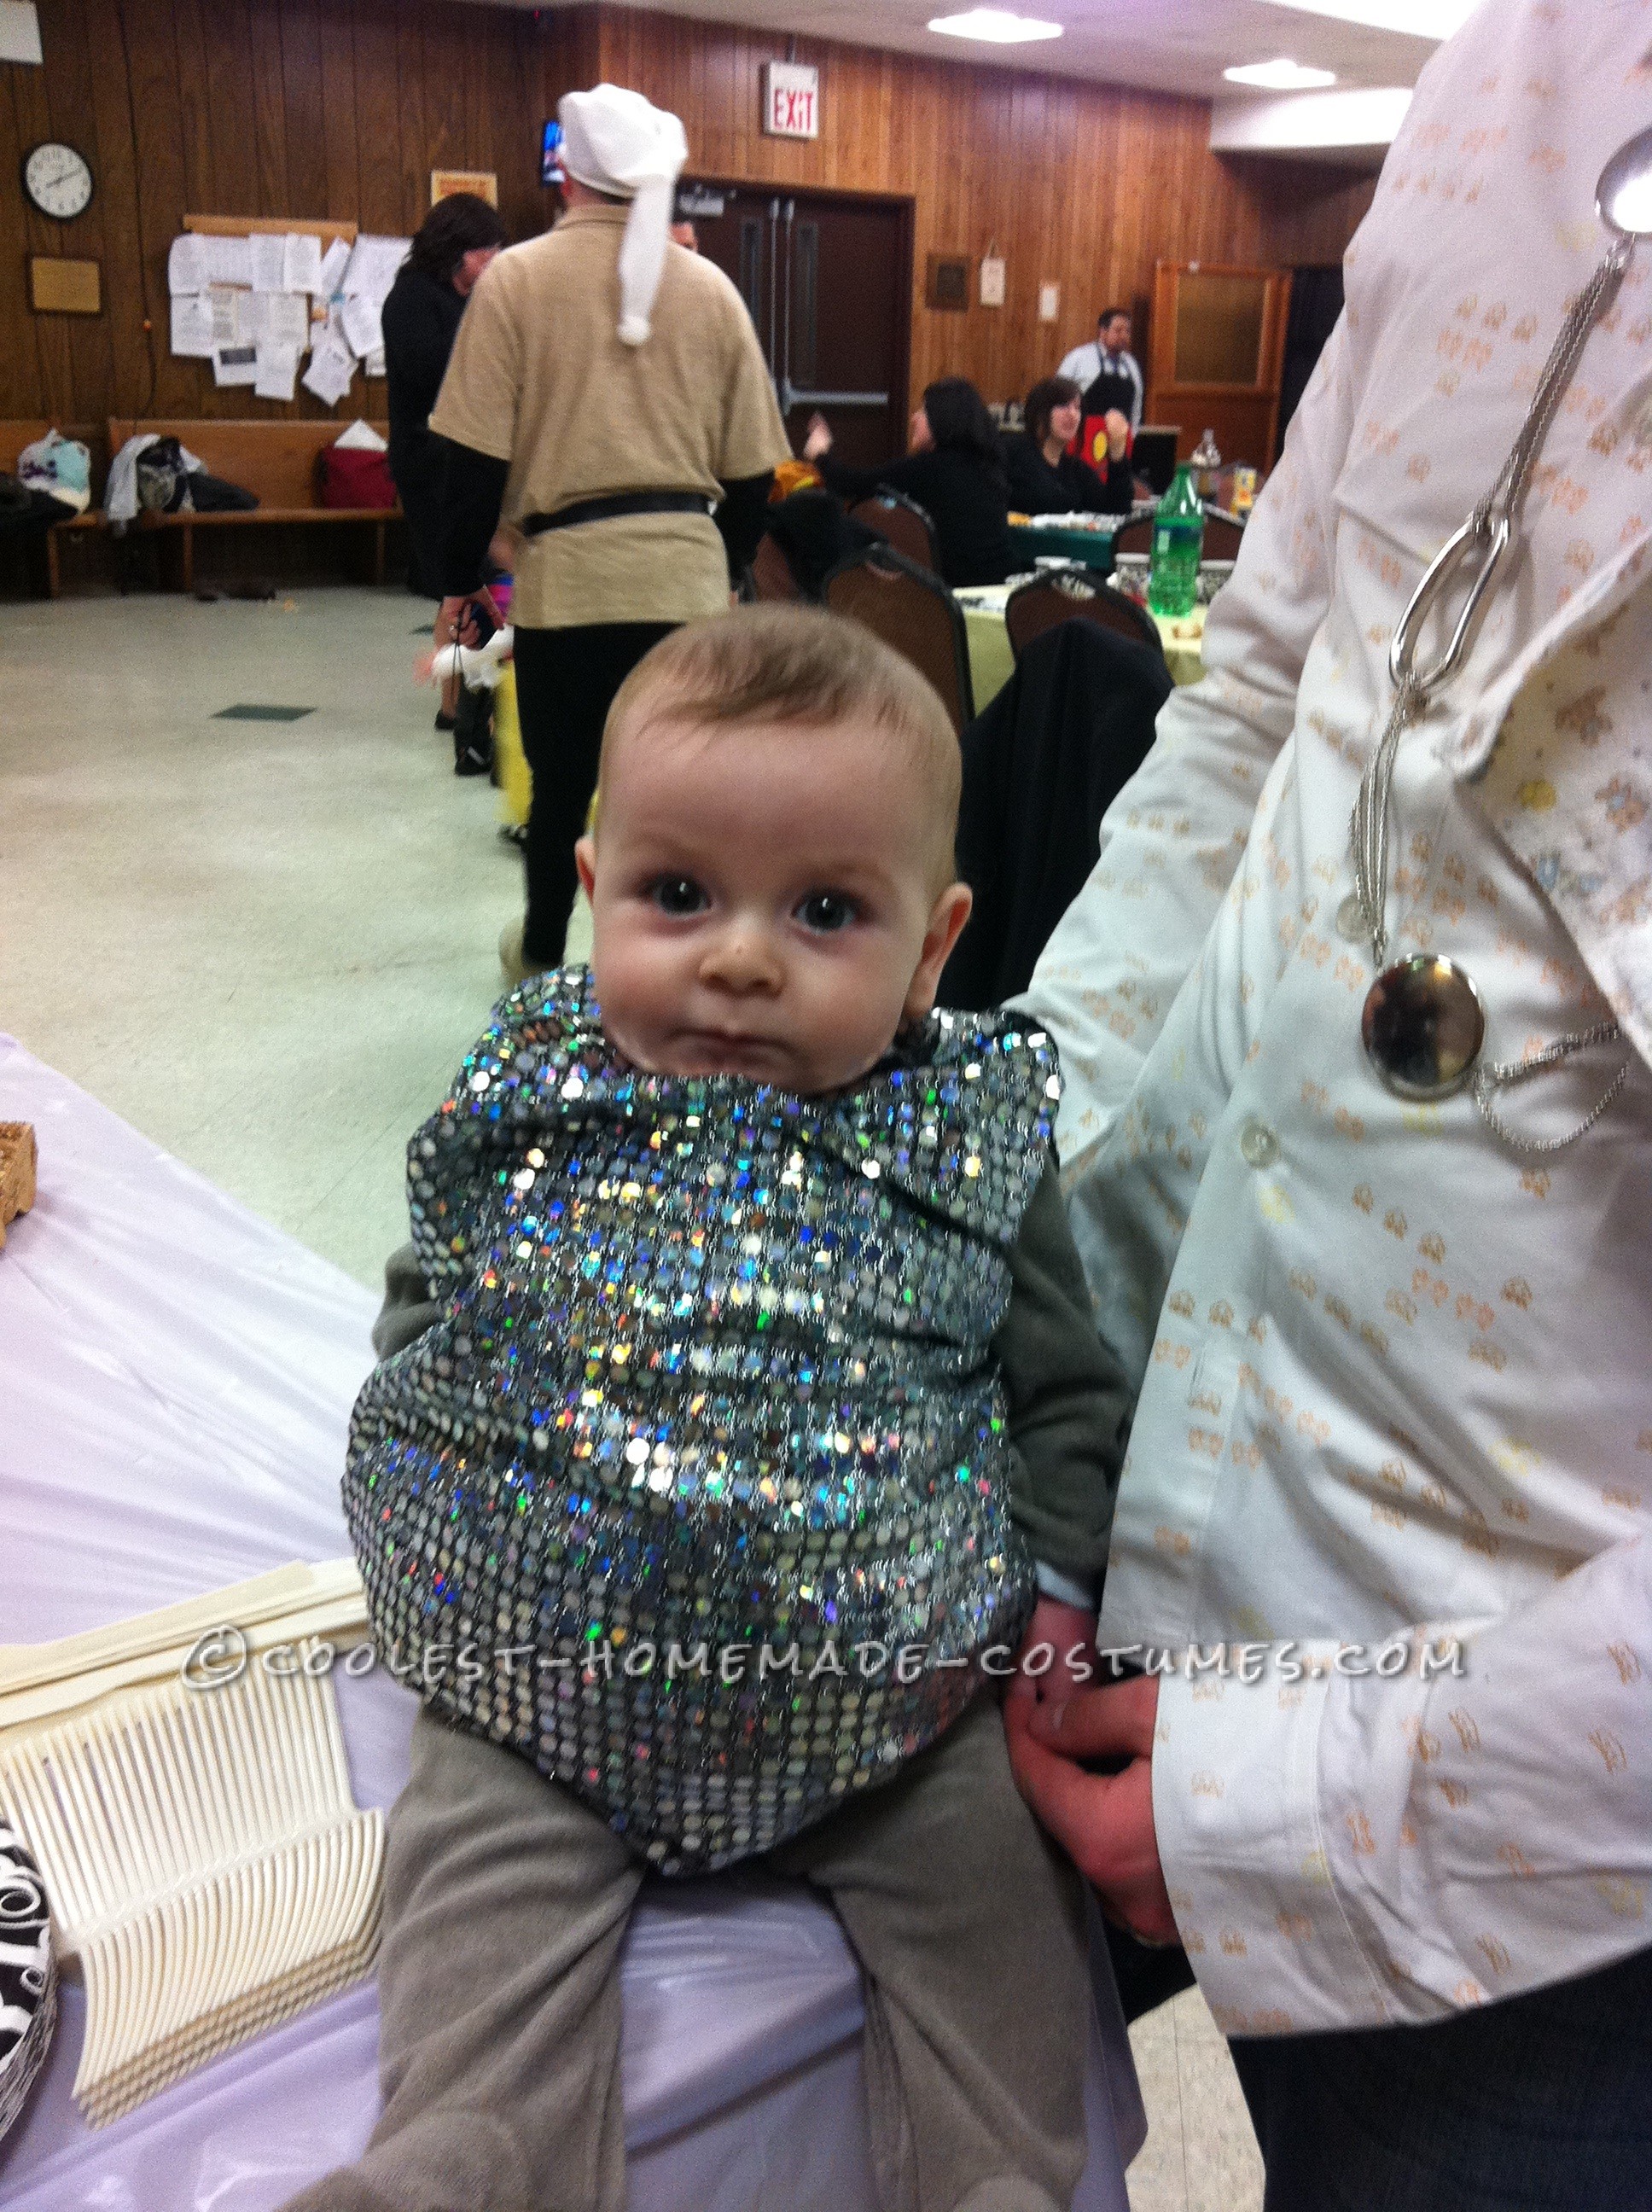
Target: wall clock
{"type": "Point", "coordinates": [57, 179]}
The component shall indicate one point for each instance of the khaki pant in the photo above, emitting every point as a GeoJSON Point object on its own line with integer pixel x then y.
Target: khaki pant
{"type": "Point", "coordinates": [505, 1906]}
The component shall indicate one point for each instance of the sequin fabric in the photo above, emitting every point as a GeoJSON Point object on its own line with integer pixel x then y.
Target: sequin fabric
{"type": "Point", "coordinates": [697, 1495]}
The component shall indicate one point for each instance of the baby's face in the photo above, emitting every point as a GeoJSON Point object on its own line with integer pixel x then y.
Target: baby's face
{"type": "Point", "coordinates": [763, 901]}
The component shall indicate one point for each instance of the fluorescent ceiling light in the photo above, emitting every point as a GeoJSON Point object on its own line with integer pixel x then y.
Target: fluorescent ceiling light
{"type": "Point", "coordinates": [1280, 75]}
{"type": "Point", "coordinates": [1419, 19]}
{"type": "Point", "coordinates": [995, 27]}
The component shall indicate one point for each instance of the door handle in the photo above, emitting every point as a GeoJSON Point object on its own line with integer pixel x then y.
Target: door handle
{"type": "Point", "coordinates": [786, 356]}
{"type": "Point", "coordinates": [796, 398]}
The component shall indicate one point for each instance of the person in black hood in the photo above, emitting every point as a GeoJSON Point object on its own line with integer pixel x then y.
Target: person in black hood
{"type": "Point", "coordinates": [453, 245]}
{"type": "Point", "coordinates": [955, 471]}
{"type": "Point", "coordinates": [1044, 477]}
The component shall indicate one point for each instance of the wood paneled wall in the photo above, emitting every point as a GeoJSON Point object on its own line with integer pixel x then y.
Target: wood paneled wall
{"type": "Point", "coordinates": [1082, 185]}
{"type": "Point", "coordinates": [265, 108]}
{"type": "Point", "coordinates": [343, 107]}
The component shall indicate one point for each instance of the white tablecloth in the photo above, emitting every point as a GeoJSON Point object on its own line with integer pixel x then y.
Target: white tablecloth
{"type": "Point", "coordinates": [175, 1378]}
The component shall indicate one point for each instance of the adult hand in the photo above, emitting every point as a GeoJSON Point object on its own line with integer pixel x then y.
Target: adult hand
{"type": "Point", "coordinates": [818, 439]}
{"type": "Point", "coordinates": [1103, 1821]}
{"type": "Point", "coordinates": [456, 618]}
{"type": "Point", "coordinates": [1069, 1631]}
{"type": "Point", "coordinates": [1118, 432]}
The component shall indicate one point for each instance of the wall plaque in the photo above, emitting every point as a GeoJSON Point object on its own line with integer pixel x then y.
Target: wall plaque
{"type": "Point", "coordinates": [946, 282]}
{"type": "Point", "coordinates": [57, 287]}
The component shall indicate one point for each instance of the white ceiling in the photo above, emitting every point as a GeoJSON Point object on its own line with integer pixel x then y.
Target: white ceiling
{"type": "Point", "coordinates": [1164, 46]}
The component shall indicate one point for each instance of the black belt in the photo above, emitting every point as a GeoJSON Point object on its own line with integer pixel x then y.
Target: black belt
{"type": "Point", "coordinates": [623, 502]}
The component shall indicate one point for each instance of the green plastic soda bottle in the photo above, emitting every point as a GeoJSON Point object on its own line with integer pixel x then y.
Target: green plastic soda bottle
{"type": "Point", "coordinates": [1178, 541]}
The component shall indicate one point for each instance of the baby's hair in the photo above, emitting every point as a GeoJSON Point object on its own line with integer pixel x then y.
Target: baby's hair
{"type": "Point", "coordinates": [798, 667]}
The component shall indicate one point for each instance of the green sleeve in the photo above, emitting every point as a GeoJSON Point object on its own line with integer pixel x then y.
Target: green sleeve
{"type": "Point", "coordinates": [409, 1308]}
{"type": "Point", "coordinates": [1069, 1402]}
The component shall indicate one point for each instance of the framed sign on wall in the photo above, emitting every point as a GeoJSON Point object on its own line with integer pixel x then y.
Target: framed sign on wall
{"type": "Point", "coordinates": [946, 282]}
{"type": "Point", "coordinates": [57, 286]}
{"type": "Point", "coordinates": [484, 183]}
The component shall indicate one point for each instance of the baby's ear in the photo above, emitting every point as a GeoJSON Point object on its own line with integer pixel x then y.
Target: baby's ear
{"type": "Point", "coordinates": [946, 920]}
{"type": "Point", "coordinates": [584, 859]}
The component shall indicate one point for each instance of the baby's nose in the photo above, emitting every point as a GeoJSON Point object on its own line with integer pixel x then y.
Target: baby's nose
{"type": "Point", "coordinates": [741, 958]}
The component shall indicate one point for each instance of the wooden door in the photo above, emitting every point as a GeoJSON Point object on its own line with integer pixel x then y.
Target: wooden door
{"type": "Point", "coordinates": [828, 279]}
{"type": "Point", "coordinates": [1216, 355]}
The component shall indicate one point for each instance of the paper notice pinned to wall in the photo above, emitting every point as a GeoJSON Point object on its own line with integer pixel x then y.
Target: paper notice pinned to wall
{"type": "Point", "coordinates": [330, 277]}
{"type": "Point", "coordinates": [275, 369]}
{"type": "Point", "coordinates": [330, 371]}
{"type": "Point", "coordinates": [192, 338]}
{"type": "Point", "coordinates": [232, 315]}
{"type": "Point", "coordinates": [228, 260]}
{"type": "Point", "coordinates": [269, 261]}
{"type": "Point", "coordinates": [302, 262]}
{"type": "Point", "coordinates": [361, 324]}
{"type": "Point", "coordinates": [235, 365]}
{"type": "Point", "coordinates": [281, 318]}
{"type": "Point", "coordinates": [372, 266]}
{"type": "Point", "coordinates": [186, 266]}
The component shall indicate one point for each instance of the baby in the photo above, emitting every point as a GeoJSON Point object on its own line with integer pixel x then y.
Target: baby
{"type": "Point", "coordinates": [746, 1369]}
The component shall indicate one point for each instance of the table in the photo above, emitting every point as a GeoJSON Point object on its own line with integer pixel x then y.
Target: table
{"type": "Point", "coordinates": [991, 663]}
{"type": "Point", "coordinates": [178, 1379]}
{"type": "Point", "coordinates": [1183, 638]}
{"type": "Point", "coordinates": [1092, 548]}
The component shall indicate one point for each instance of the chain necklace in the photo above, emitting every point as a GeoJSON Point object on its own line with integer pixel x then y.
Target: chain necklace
{"type": "Point", "coordinates": [1423, 1023]}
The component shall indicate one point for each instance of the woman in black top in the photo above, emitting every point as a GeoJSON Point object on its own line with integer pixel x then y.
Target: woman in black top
{"type": "Point", "coordinates": [454, 244]}
{"type": "Point", "coordinates": [953, 469]}
{"type": "Point", "coordinates": [452, 247]}
{"type": "Point", "coordinates": [1044, 477]}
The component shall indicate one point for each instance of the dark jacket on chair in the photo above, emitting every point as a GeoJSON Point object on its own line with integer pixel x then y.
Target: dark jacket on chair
{"type": "Point", "coordinates": [1042, 765]}
{"type": "Point", "coordinates": [962, 496]}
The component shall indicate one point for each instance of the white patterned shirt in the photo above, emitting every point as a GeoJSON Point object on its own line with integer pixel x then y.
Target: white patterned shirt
{"type": "Point", "coordinates": [1396, 1379]}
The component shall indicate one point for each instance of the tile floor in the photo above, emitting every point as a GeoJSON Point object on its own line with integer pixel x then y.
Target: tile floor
{"type": "Point", "coordinates": [268, 943]}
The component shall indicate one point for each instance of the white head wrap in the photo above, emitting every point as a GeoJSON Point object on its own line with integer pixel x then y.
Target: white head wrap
{"type": "Point", "coordinates": [615, 141]}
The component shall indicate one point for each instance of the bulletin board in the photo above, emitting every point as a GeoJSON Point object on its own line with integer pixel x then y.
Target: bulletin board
{"type": "Point", "coordinates": [254, 294]}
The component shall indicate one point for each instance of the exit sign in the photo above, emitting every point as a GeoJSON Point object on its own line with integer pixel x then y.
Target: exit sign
{"type": "Point", "coordinates": [791, 101]}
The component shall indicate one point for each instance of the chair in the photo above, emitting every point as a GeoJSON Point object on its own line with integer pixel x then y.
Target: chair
{"type": "Point", "coordinates": [1134, 537]}
{"type": "Point", "coordinates": [1041, 764]}
{"type": "Point", "coordinates": [1223, 536]}
{"type": "Point", "coordinates": [904, 523]}
{"type": "Point", "coordinates": [1059, 595]}
{"type": "Point", "coordinates": [912, 609]}
{"type": "Point", "coordinates": [770, 574]}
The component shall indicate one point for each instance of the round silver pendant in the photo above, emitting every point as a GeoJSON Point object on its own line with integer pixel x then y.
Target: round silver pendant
{"type": "Point", "coordinates": [1352, 926]}
{"type": "Point", "coordinates": [1423, 1026]}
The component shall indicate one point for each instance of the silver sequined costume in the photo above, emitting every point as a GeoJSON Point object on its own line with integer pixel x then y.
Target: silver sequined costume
{"type": "Point", "coordinates": [712, 1372]}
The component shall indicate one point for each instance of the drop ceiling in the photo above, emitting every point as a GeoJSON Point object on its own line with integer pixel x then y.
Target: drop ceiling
{"type": "Point", "coordinates": [1162, 46]}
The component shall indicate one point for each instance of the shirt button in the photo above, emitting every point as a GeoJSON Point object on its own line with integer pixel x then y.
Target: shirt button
{"type": "Point", "coordinates": [1258, 1145]}
{"type": "Point", "coordinates": [1351, 920]}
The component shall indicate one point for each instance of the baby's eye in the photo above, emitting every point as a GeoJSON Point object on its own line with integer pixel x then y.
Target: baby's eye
{"type": "Point", "coordinates": [825, 911]}
{"type": "Point", "coordinates": [677, 895]}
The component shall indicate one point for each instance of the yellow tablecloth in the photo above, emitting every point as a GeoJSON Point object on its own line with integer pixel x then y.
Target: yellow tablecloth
{"type": "Point", "coordinates": [1183, 638]}
{"type": "Point", "coordinates": [991, 661]}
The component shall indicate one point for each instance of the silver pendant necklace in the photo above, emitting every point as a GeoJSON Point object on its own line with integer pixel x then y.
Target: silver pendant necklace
{"type": "Point", "coordinates": [1423, 1023]}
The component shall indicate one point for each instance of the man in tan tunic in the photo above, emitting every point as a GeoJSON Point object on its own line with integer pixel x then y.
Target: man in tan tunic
{"type": "Point", "coordinates": [605, 394]}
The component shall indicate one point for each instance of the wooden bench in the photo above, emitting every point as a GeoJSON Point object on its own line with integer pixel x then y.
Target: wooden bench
{"type": "Point", "coordinates": [13, 437]}
{"type": "Point", "coordinates": [278, 460]}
